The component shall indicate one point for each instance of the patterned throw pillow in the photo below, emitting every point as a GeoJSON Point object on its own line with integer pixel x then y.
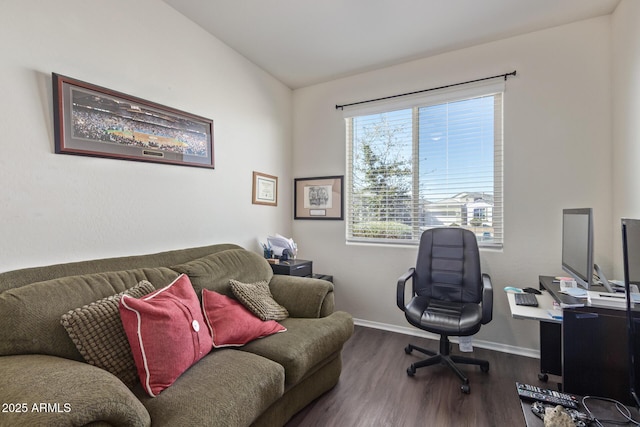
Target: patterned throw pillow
{"type": "Point", "coordinates": [258, 299]}
{"type": "Point", "coordinates": [97, 333]}
{"type": "Point", "coordinates": [167, 333]}
{"type": "Point", "coordinates": [231, 324]}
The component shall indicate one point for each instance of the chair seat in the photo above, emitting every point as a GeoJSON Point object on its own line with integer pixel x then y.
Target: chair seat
{"type": "Point", "coordinates": [444, 317]}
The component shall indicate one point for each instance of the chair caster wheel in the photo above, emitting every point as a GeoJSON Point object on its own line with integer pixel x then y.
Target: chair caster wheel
{"type": "Point", "coordinates": [411, 371]}
{"type": "Point", "coordinates": [465, 388]}
{"type": "Point", "coordinates": [543, 377]}
{"type": "Point", "coordinates": [484, 368]}
{"type": "Point", "coordinates": [408, 349]}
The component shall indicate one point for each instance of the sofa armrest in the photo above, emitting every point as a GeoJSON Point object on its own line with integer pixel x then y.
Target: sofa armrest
{"type": "Point", "coordinates": [303, 296]}
{"type": "Point", "coordinates": [48, 390]}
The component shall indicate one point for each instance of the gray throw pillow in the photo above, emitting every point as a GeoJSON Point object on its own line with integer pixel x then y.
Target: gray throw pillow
{"type": "Point", "coordinates": [97, 332]}
{"type": "Point", "coordinates": [258, 299]}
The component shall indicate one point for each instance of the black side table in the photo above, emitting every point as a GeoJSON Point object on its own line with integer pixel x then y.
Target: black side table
{"type": "Point", "coordinates": [326, 277]}
{"type": "Point", "coordinates": [294, 267]}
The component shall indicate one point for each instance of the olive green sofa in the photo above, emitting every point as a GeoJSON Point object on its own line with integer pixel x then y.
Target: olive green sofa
{"type": "Point", "coordinates": [45, 380]}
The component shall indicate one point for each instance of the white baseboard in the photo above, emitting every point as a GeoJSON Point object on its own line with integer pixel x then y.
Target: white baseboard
{"type": "Point", "coordinates": [510, 349]}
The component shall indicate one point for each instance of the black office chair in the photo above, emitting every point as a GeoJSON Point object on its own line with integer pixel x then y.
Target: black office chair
{"type": "Point", "coordinates": [450, 296]}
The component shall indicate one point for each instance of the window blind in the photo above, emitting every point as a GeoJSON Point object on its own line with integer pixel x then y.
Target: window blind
{"type": "Point", "coordinates": [428, 161]}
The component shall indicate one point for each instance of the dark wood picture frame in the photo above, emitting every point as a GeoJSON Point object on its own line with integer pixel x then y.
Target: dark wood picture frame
{"type": "Point", "coordinates": [90, 120]}
{"type": "Point", "coordinates": [265, 189]}
{"type": "Point", "coordinates": [319, 198]}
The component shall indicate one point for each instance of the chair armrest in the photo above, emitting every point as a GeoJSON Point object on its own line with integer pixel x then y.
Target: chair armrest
{"type": "Point", "coordinates": [303, 296]}
{"type": "Point", "coordinates": [487, 299]}
{"type": "Point", "coordinates": [402, 280]}
{"type": "Point", "coordinates": [47, 390]}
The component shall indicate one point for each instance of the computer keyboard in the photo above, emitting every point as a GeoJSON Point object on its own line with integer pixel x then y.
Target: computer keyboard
{"type": "Point", "coordinates": [526, 299]}
{"type": "Point", "coordinates": [531, 392]}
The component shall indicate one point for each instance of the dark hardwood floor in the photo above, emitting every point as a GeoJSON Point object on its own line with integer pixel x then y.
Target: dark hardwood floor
{"type": "Point", "coordinates": [375, 390]}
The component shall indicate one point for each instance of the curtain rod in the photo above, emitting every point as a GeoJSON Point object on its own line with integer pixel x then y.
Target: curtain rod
{"type": "Point", "coordinates": [340, 107]}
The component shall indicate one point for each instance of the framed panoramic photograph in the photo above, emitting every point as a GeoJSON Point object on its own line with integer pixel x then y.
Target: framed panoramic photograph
{"type": "Point", "coordinates": [318, 198]}
{"type": "Point", "coordinates": [265, 189]}
{"type": "Point", "coordinates": [93, 121]}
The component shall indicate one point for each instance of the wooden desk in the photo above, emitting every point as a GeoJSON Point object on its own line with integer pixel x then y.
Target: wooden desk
{"type": "Point", "coordinates": [544, 312]}
{"type": "Point", "coordinates": [588, 347]}
{"type": "Point", "coordinates": [549, 318]}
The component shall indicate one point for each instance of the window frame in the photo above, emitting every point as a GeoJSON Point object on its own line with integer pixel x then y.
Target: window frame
{"type": "Point", "coordinates": [415, 103]}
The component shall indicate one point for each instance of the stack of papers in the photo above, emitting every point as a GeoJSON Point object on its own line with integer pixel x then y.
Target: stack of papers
{"type": "Point", "coordinates": [575, 292]}
{"type": "Point", "coordinates": [606, 299]}
{"type": "Point", "coordinates": [575, 297]}
{"type": "Point", "coordinates": [278, 244]}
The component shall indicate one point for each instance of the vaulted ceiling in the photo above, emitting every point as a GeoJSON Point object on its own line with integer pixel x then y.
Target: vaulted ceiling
{"type": "Point", "coordinates": [303, 42]}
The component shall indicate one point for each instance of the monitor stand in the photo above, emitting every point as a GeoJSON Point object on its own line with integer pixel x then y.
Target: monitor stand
{"type": "Point", "coordinates": [603, 279]}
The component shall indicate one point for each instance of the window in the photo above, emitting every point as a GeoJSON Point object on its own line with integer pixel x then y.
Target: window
{"type": "Point", "coordinates": [426, 162]}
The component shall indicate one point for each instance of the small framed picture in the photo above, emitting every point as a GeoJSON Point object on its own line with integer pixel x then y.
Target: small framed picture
{"type": "Point", "coordinates": [265, 189]}
{"type": "Point", "coordinates": [318, 198]}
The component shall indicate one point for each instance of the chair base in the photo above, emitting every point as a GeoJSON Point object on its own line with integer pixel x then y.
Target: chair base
{"type": "Point", "coordinates": [444, 357]}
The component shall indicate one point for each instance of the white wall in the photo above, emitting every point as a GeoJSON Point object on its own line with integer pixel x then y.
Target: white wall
{"type": "Point", "coordinates": [57, 208]}
{"type": "Point", "coordinates": [557, 133]}
{"type": "Point", "coordinates": [626, 118]}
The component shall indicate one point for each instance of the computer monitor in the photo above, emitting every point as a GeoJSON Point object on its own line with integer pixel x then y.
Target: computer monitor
{"type": "Point", "coordinates": [577, 245]}
{"type": "Point", "coordinates": [631, 250]}
{"type": "Point", "coordinates": [631, 266]}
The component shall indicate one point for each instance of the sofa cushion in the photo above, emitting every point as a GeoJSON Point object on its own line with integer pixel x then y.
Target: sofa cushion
{"type": "Point", "coordinates": [231, 324]}
{"type": "Point", "coordinates": [84, 395]}
{"type": "Point", "coordinates": [166, 332]}
{"type": "Point", "coordinates": [97, 332]}
{"type": "Point", "coordinates": [214, 271]}
{"type": "Point", "coordinates": [258, 299]}
{"type": "Point", "coordinates": [306, 343]}
{"type": "Point", "coordinates": [225, 388]}
{"type": "Point", "coordinates": [30, 315]}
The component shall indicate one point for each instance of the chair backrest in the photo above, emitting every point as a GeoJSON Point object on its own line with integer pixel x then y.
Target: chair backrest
{"type": "Point", "coordinates": [448, 266]}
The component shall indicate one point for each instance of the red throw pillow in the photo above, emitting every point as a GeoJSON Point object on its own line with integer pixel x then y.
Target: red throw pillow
{"type": "Point", "coordinates": [231, 324]}
{"type": "Point", "coordinates": [166, 332]}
